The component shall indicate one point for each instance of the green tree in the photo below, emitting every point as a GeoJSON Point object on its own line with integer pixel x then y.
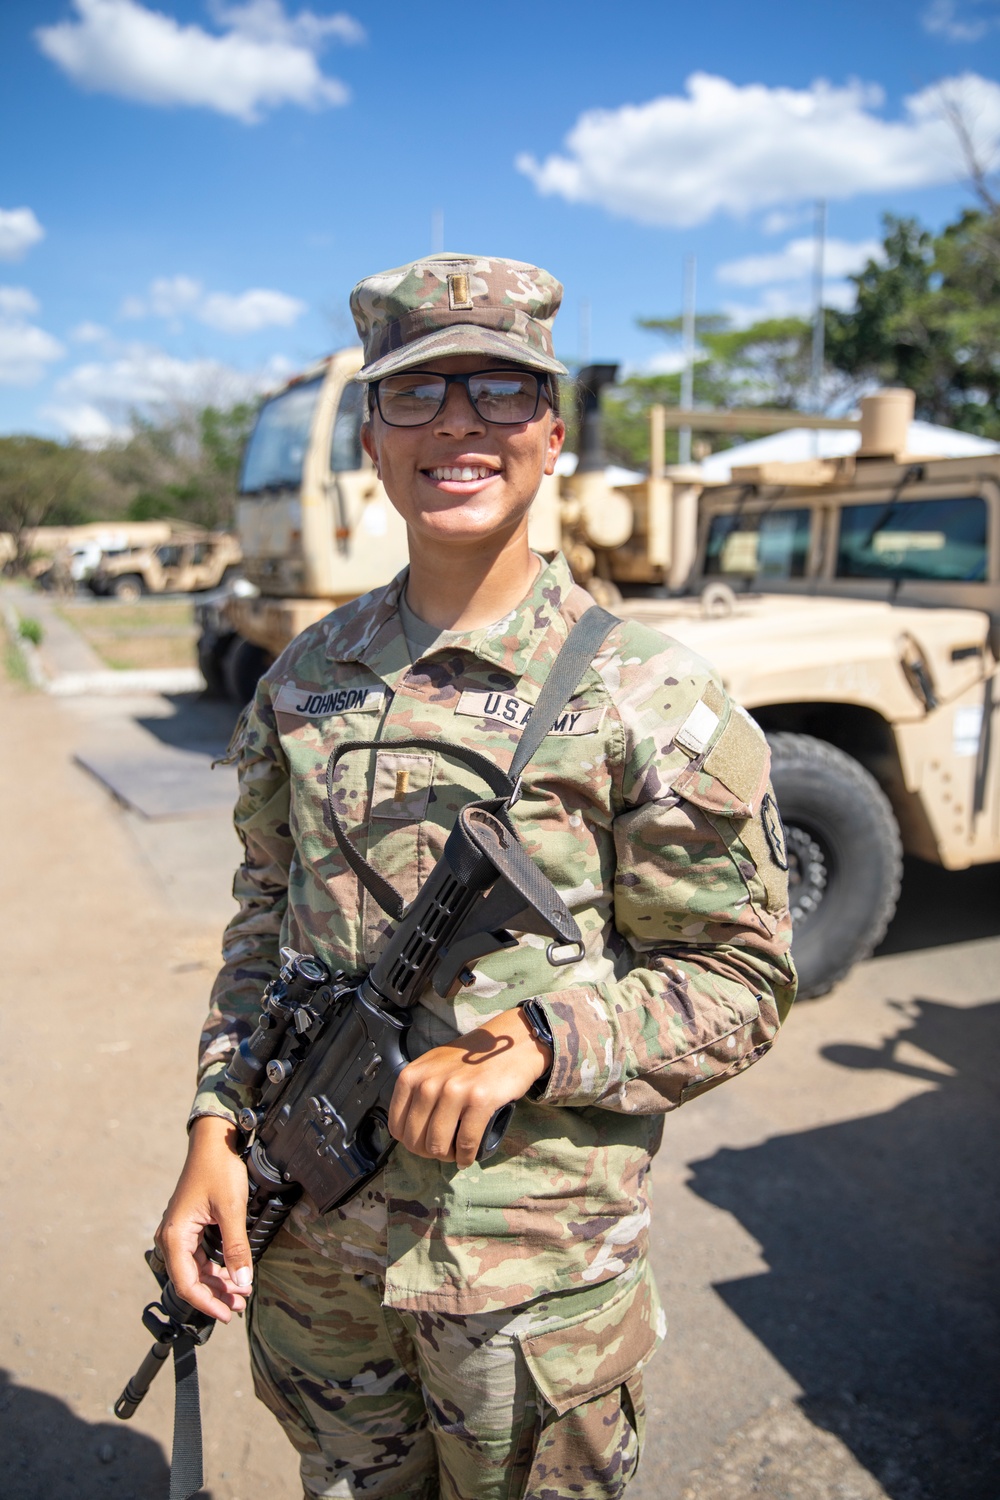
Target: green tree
{"type": "Point", "coordinates": [927, 316]}
{"type": "Point", "coordinates": [184, 466]}
{"type": "Point", "coordinates": [41, 483]}
{"type": "Point", "coordinates": [765, 364]}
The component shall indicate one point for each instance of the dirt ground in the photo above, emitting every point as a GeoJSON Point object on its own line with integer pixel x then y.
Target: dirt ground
{"type": "Point", "coordinates": [825, 1228]}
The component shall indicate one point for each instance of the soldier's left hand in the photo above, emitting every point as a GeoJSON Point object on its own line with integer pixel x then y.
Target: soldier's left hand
{"type": "Point", "coordinates": [445, 1099]}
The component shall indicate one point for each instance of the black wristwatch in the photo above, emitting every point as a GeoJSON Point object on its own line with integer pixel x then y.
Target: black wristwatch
{"type": "Point", "coordinates": [539, 1023]}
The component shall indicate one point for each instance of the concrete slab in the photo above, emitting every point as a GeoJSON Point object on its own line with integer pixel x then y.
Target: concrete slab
{"type": "Point", "coordinates": [163, 782]}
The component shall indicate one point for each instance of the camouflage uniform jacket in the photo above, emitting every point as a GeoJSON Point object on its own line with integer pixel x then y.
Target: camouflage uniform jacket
{"type": "Point", "coordinates": [647, 806]}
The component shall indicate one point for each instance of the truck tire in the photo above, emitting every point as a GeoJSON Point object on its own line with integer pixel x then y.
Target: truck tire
{"type": "Point", "coordinates": [212, 653]}
{"type": "Point", "coordinates": [845, 857]}
{"type": "Point", "coordinates": [243, 667]}
{"type": "Point", "coordinates": [128, 587]}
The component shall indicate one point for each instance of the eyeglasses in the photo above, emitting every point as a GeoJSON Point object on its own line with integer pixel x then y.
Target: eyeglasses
{"type": "Point", "coordinates": [414, 398]}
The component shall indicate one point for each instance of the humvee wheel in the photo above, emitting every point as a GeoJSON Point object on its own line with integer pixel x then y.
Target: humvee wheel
{"type": "Point", "coordinates": [129, 588]}
{"type": "Point", "coordinates": [845, 857]}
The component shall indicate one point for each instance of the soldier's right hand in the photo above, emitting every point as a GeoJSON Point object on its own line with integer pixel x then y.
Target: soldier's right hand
{"type": "Point", "coordinates": [212, 1189]}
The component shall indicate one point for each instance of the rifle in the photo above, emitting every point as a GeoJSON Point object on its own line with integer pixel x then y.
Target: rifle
{"type": "Point", "coordinates": [324, 1058]}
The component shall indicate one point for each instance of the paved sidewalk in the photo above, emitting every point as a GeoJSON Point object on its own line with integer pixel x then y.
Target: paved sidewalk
{"type": "Point", "coordinates": [65, 665]}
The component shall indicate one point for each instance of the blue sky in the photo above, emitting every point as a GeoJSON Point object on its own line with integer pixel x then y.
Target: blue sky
{"type": "Point", "coordinates": [190, 188]}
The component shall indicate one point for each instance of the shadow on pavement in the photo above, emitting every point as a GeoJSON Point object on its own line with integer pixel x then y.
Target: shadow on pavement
{"type": "Point", "coordinates": [45, 1450]}
{"type": "Point", "coordinates": [943, 906]}
{"type": "Point", "coordinates": [880, 1233]}
{"type": "Point", "coordinates": [198, 723]}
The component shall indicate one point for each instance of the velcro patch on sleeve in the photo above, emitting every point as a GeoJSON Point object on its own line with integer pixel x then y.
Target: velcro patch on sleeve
{"type": "Point", "coordinates": [514, 712]}
{"type": "Point", "coordinates": [311, 703]}
{"type": "Point", "coordinates": [698, 728]}
{"type": "Point", "coordinates": [733, 776]}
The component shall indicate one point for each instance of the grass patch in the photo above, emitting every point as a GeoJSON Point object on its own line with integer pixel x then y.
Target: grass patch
{"type": "Point", "coordinates": [30, 630]}
{"type": "Point", "coordinates": [160, 633]}
{"type": "Point", "coordinates": [14, 665]}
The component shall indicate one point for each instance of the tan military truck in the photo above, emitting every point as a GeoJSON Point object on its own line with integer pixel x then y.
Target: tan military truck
{"type": "Point", "coordinates": [188, 562]}
{"type": "Point", "coordinates": [852, 607]}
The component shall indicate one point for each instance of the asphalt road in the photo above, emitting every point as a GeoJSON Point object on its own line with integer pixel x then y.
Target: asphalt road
{"type": "Point", "coordinates": [825, 1227]}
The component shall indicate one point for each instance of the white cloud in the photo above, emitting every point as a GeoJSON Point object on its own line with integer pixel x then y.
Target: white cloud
{"type": "Point", "coordinates": [17, 302]}
{"type": "Point", "coordinates": [25, 351]}
{"type": "Point", "coordinates": [943, 18]}
{"type": "Point", "coordinates": [263, 58]}
{"type": "Point", "coordinates": [168, 297]}
{"type": "Point", "coordinates": [728, 148]}
{"type": "Point", "coordinates": [255, 309]}
{"type": "Point", "coordinates": [144, 378]}
{"type": "Point", "coordinates": [788, 302]}
{"type": "Point", "coordinates": [781, 220]}
{"type": "Point", "coordinates": [89, 333]}
{"type": "Point", "coordinates": [86, 424]}
{"type": "Point", "coordinates": [19, 230]}
{"type": "Point", "coordinates": [171, 296]}
{"type": "Point", "coordinates": [796, 261]}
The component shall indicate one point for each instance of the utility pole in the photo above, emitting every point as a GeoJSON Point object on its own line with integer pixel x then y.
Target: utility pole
{"type": "Point", "coordinates": [687, 340]}
{"type": "Point", "coordinates": [437, 231]}
{"type": "Point", "coordinates": [819, 329]}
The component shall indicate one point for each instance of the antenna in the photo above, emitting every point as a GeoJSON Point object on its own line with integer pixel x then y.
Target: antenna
{"type": "Point", "coordinates": [687, 374]}
{"type": "Point", "coordinates": [819, 329]}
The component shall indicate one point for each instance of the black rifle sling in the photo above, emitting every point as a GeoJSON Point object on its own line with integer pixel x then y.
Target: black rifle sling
{"type": "Point", "coordinates": [575, 656]}
{"type": "Point", "coordinates": [186, 1475]}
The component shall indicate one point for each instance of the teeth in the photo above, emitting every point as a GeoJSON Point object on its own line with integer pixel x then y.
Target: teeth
{"type": "Point", "coordinates": [467, 472]}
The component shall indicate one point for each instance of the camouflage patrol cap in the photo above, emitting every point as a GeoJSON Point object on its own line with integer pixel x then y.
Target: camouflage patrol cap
{"type": "Point", "coordinates": [456, 304]}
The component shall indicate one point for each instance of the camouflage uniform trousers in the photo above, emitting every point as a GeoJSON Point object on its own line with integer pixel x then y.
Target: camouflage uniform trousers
{"type": "Point", "coordinates": [422, 1405]}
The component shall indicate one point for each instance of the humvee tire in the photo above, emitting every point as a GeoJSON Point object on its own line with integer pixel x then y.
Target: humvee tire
{"type": "Point", "coordinates": [243, 667]}
{"type": "Point", "coordinates": [845, 857]}
{"type": "Point", "coordinates": [128, 587]}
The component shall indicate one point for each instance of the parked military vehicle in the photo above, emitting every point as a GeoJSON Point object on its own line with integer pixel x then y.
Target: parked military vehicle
{"type": "Point", "coordinates": [851, 606]}
{"type": "Point", "coordinates": [190, 561]}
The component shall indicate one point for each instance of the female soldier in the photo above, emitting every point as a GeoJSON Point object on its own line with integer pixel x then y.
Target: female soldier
{"type": "Point", "coordinates": [471, 1330]}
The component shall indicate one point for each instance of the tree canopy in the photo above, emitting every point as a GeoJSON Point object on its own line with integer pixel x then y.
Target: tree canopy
{"type": "Point", "coordinates": [927, 315]}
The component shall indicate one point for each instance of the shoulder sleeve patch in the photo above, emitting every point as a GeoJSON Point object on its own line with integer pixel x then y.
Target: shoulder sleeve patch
{"type": "Point", "coordinates": [733, 776]}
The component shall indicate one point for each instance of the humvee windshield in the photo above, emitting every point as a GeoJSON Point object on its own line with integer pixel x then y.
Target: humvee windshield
{"type": "Point", "coordinates": [758, 544]}
{"type": "Point", "coordinates": [277, 448]}
{"type": "Point", "coordinates": [942, 540]}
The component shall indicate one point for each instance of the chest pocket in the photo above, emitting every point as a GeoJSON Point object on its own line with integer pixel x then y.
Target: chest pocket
{"type": "Point", "coordinates": [402, 786]}
{"type": "Point", "coordinates": [731, 785]}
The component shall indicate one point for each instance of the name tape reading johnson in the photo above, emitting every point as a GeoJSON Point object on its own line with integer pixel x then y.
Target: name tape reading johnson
{"type": "Point", "coordinates": [307, 704]}
{"type": "Point", "coordinates": [516, 712]}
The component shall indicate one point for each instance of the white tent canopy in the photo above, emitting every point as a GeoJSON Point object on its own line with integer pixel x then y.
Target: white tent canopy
{"type": "Point", "coordinates": [925, 441]}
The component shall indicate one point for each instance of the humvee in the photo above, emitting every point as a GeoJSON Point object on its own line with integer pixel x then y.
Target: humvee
{"type": "Point", "coordinates": [189, 562]}
{"type": "Point", "coordinates": [852, 607]}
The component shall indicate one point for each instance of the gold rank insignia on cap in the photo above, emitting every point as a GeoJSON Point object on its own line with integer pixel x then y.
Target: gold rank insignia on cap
{"type": "Point", "coordinates": [458, 292]}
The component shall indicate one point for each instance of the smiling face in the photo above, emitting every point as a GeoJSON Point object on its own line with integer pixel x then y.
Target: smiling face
{"type": "Point", "coordinates": [460, 480]}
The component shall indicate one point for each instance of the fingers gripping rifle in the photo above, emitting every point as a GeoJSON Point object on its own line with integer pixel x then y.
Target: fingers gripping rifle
{"type": "Point", "coordinates": [323, 1061]}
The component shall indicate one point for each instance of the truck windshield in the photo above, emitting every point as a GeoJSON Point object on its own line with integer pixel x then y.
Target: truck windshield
{"type": "Point", "coordinates": [928, 539]}
{"type": "Point", "coordinates": [277, 448]}
{"type": "Point", "coordinates": [768, 544]}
